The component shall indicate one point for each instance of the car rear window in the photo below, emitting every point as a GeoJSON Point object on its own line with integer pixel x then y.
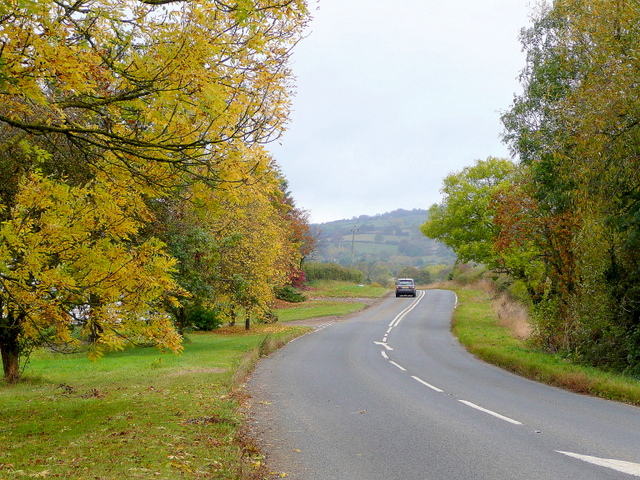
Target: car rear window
{"type": "Point", "coordinates": [405, 282]}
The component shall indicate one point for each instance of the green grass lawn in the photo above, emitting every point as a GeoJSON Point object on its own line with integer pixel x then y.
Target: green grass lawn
{"type": "Point", "coordinates": [135, 414]}
{"type": "Point", "coordinates": [337, 289]}
{"type": "Point", "coordinates": [141, 413]}
{"type": "Point", "coordinates": [317, 308]}
{"type": "Point", "coordinates": [328, 298]}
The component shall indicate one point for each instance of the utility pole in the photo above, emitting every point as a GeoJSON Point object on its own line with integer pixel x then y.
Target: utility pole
{"type": "Point", "coordinates": [353, 238]}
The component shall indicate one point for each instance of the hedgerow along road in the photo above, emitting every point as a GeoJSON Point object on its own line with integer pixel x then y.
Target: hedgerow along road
{"type": "Point", "coordinates": [391, 394]}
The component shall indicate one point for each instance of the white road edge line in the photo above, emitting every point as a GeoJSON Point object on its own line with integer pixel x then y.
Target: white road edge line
{"type": "Point", "coordinates": [384, 354]}
{"type": "Point", "coordinates": [396, 365]}
{"type": "Point", "coordinates": [402, 314]}
{"type": "Point", "coordinates": [497, 415]}
{"type": "Point", "coordinates": [427, 384]}
{"type": "Point", "coordinates": [619, 465]}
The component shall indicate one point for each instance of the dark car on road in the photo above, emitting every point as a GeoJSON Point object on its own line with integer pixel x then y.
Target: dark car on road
{"type": "Point", "coordinates": [405, 286]}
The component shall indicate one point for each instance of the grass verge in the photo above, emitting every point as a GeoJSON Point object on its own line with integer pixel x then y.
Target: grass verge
{"type": "Point", "coordinates": [477, 328]}
{"type": "Point", "coordinates": [317, 308]}
{"type": "Point", "coordinates": [329, 298]}
{"type": "Point", "coordinates": [338, 289]}
{"type": "Point", "coordinates": [137, 414]}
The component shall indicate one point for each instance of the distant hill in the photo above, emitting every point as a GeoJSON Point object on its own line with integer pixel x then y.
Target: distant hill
{"type": "Point", "coordinates": [392, 238]}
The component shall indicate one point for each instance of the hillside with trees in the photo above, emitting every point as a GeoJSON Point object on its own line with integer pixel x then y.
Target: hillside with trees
{"type": "Point", "coordinates": [382, 245]}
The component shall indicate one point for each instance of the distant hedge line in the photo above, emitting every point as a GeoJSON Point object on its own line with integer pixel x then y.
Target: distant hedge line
{"type": "Point", "coordinates": [332, 271]}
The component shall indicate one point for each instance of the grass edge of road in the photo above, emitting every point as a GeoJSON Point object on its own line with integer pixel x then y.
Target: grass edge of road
{"type": "Point", "coordinates": [476, 326]}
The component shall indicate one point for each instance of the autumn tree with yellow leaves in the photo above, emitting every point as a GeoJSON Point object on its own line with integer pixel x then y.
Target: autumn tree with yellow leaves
{"type": "Point", "coordinates": [108, 106]}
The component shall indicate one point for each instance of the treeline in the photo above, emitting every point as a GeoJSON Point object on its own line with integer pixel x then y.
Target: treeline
{"type": "Point", "coordinates": [136, 191]}
{"type": "Point", "coordinates": [565, 221]}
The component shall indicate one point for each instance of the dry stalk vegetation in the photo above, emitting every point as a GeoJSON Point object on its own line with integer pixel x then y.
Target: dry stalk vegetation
{"type": "Point", "coordinates": [510, 314]}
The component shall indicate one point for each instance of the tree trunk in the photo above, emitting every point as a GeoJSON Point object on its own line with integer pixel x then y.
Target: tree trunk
{"type": "Point", "coordinates": [95, 329]}
{"type": "Point", "coordinates": [10, 327]}
{"type": "Point", "coordinates": [247, 321]}
{"type": "Point", "coordinates": [181, 319]}
{"type": "Point", "coordinates": [10, 361]}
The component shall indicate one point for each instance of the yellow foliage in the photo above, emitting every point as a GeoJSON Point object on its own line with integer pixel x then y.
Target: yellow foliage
{"type": "Point", "coordinates": [67, 252]}
{"type": "Point", "coordinates": [109, 106]}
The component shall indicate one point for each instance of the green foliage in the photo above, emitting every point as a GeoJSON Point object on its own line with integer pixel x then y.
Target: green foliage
{"type": "Point", "coordinates": [120, 127]}
{"type": "Point", "coordinates": [331, 271]}
{"type": "Point", "coordinates": [468, 274]}
{"type": "Point", "coordinates": [382, 275]}
{"type": "Point", "coordinates": [575, 130]}
{"type": "Point", "coordinates": [203, 318]}
{"type": "Point", "coordinates": [289, 294]}
{"type": "Point", "coordinates": [464, 219]}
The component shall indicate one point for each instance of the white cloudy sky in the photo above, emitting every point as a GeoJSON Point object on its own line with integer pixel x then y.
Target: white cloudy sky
{"type": "Point", "coordinates": [393, 96]}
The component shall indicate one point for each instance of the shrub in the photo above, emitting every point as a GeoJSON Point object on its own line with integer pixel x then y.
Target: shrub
{"type": "Point", "coordinates": [203, 318]}
{"type": "Point", "coordinates": [289, 294]}
{"type": "Point", "coordinates": [297, 279]}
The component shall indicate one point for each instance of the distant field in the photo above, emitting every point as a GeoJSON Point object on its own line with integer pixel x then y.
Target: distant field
{"type": "Point", "coordinates": [364, 248]}
{"type": "Point", "coordinates": [378, 238]}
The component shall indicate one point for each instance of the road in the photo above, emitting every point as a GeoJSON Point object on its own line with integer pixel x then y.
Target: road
{"type": "Point", "coordinates": [391, 394]}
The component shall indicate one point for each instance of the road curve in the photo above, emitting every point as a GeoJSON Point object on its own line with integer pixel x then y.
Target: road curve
{"type": "Point", "coordinates": [390, 394]}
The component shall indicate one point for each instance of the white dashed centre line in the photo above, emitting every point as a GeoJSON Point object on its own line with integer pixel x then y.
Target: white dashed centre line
{"type": "Point", "coordinates": [396, 365]}
{"type": "Point", "coordinates": [497, 415]}
{"type": "Point", "coordinates": [618, 465]}
{"type": "Point", "coordinates": [427, 384]}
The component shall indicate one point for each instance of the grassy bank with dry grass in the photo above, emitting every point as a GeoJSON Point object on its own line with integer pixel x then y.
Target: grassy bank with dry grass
{"type": "Point", "coordinates": [495, 329]}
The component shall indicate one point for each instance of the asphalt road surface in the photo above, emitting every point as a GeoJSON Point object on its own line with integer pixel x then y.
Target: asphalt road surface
{"type": "Point", "coordinates": [390, 394]}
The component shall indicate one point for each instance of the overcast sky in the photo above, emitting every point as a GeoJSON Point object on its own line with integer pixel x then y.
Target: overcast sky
{"type": "Point", "coordinates": [393, 96]}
